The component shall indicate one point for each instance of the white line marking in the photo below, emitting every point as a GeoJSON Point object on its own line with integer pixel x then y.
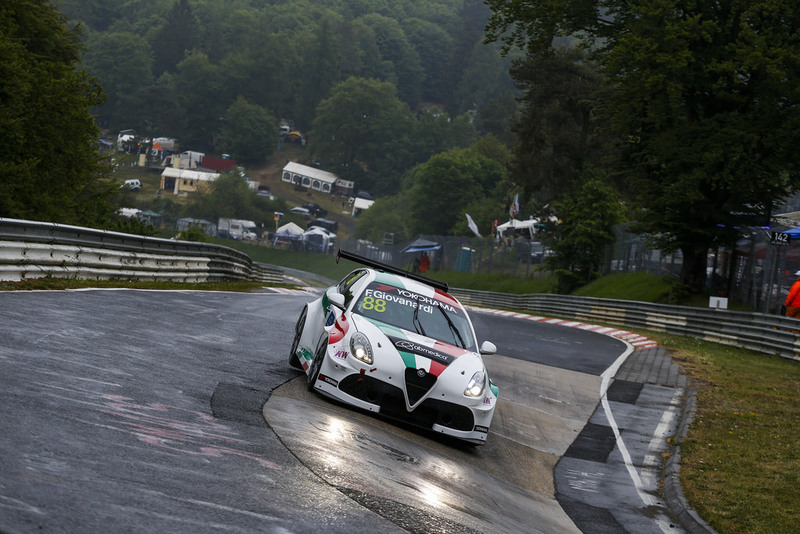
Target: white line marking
{"type": "Point", "coordinates": [646, 498]}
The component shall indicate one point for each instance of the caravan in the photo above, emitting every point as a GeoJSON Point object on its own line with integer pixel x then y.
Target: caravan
{"type": "Point", "coordinates": [238, 229]}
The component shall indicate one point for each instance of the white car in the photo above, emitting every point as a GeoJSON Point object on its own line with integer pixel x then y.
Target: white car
{"type": "Point", "coordinates": [398, 344]}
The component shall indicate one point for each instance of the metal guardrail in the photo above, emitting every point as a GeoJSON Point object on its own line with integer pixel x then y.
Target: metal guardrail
{"type": "Point", "coordinates": [772, 334]}
{"type": "Point", "coordinates": [30, 249]}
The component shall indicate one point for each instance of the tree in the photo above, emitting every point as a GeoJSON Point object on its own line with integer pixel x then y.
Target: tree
{"type": "Point", "coordinates": [175, 38]}
{"type": "Point", "coordinates": [122, 63]}
{"type": "Point", "coordinates": [434, 47]}
{"type": "Point", "coordinates": [249, 132]}
{"type": "Point", "coordinates": [558, 129]}
{"type": "Point", "coordinates": [357, 125]}
{"type": "Point", "coordinates": [406, 71]}
{"type": "Point", "coordinates": [198, 87]}
{"type": "Point", "coordinates": [580, 240]}
{"type": "Point", "coordinates": [387, 214]}
{"type": "Point", "coordinates": [446, 184]}
{"type": "Point", "coordinates": [227, 197]}
{"type": "Point", "coordinates": [49, 161]}
{"type": "Point", "coordinates": [706, 96]}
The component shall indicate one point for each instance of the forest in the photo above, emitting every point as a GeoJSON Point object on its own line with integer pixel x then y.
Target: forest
{"type": "Point", "coordinates": [376, 87]}
{"type": "Point", "coordinates": [176, 68]}
{"type": "Point", "coordinates": [680, 119]}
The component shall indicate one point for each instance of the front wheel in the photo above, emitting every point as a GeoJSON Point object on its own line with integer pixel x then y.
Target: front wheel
{"type": "Point", "coordinates": [316, 365]}
{"type": "Point", "coordinates": [294, 361]}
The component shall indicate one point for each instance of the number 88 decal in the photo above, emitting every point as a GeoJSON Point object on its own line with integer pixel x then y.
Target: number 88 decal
{"type": "Point", "coordinates": [371, 303]}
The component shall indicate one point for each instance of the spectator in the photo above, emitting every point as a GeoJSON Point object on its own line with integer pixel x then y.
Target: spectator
{"type": "Point", "coordinates": [793, 298]}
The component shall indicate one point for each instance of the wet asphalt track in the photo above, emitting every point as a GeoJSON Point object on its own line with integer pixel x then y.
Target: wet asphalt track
{"type": "Point", "coordinates": [141, 411]}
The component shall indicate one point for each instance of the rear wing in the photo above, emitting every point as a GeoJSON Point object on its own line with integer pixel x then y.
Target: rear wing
{"type": "Point", "coordinates": [390, 269]}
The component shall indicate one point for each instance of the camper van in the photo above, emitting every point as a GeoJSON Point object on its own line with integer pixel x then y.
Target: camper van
{"type": "Point", "coordinates": [237, 229]}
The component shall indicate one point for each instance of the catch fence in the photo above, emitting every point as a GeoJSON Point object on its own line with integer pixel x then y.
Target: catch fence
{"type": "Point", "coordinates": [756, 273]}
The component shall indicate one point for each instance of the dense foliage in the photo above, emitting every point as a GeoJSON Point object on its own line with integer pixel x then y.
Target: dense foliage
{"type": "Point", "coordinates": [49, 165]}
{"type": "Point", "coordinates": [704, 97]}
{"type": "Point", "coordinates": [580, 240]}
{"type": "Point", "coordinates": [174, 68]}
{"type": "Point", "coordinates": [438, 193]}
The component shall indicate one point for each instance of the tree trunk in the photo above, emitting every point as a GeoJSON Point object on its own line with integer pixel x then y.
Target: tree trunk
{"type": "Point", "coordinates": [693, 271]}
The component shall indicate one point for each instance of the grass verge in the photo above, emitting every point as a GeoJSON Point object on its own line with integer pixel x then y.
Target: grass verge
{"type": "Point", "coordinates": [48, 283]}
{"type": "Point", "coordinates": [740, 464]}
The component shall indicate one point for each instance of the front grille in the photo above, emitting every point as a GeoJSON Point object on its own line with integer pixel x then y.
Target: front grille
{"type": "Point", "coordinates": [393, 404]}
{"type": "Point", "coordinates": [417, 386]}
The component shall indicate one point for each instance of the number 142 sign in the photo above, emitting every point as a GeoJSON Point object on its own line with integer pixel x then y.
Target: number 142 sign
{"type": "Point", "coordinates": [778, 238]}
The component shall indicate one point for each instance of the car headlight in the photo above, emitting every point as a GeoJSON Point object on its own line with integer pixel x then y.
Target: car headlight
{"type": "Point", "coordinates": [361, 348]}
{"type": "Point", "coordinates": [475, 385]}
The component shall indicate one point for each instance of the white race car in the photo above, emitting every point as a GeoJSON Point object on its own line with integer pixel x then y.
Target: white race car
{"type": "Point", "coordinates": [398, 344]}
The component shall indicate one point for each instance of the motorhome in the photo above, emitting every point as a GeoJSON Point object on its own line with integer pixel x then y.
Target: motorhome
{"type": "Point", "coordinates": [237, 229]}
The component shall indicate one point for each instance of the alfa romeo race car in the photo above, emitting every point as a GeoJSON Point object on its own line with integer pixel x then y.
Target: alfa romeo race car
{"type": "Point", "coordinates": [398, 344]}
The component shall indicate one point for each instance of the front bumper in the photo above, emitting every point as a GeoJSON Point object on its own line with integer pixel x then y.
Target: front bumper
{"type": "Point", "coordinates": [381, 390]}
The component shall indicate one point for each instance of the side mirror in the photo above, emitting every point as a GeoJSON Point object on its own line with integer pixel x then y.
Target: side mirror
{"type": "Point", "coordinates": [337, 299]}
{"type": "Point", "coordinates": [487, 347]}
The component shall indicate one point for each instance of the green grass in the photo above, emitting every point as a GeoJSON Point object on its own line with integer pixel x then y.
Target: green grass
{"type": "Point", "coordinates": [628, 286]}
{"type": "Point", "coordinates": [740, 465]}
{"type": "Point", "coordinates": [495, 282]}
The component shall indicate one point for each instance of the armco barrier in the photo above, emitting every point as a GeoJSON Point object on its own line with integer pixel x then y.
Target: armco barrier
{"type": "Point", "coordinates": [771, 334]}
{"type": "Point", "coordinates": [31, 249]}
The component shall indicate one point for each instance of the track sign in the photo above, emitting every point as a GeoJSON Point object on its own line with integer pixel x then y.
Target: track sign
{"type": "Point", "coordinates": [778, 238]}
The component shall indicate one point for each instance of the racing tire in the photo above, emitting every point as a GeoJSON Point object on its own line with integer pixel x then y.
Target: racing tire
{"type": "Point", "coordinates": [294, 361]}
{"type": "Point", "coordinates": [316, 365]}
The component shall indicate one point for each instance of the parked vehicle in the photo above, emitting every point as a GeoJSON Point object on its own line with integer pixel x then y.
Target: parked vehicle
{"type": "Point", "coordinates": [133, 185]}
{"type": "Point", "coordinates": [301, 211]}
{"type": "Point", "coordinates": [237, 229]}
{"type": "Point", "coordinates": [315, 209]}
{"type": "Point", "coordinates": [328, 224]}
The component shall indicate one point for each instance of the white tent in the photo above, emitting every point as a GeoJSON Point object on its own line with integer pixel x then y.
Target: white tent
{"type": "Point", "coordinates": [289, 229]}
{"type": "Point", "coordinates": [318, 239]}
{"type": "Point", "coordinates": [528, 225]}
{"type": "Point", "coordinates": [287, 234]}
{"type": "Point", "coordinates": [309, 177]}
{"type": "Point", "coordinates": [361, 204]}
{"type": "Point", "coordinates": [515, 225]}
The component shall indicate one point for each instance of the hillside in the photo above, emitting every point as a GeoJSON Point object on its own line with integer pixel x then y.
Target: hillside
{"type": "Point", "coordinates": [269, 175]}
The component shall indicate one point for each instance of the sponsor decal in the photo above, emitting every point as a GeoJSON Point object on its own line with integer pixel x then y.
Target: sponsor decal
{"type": "Point", "coordinates": [329, 380]}
{"type": "Point", "coordinates": [421, 373]}
{"type": "Point", "coordinates": [416, 348]}
{"type": "Point", "coordinates": [484, 429]}
{"type": "Point", "coordinates": [487, 401]}
{"type": "Point", "coordinates": [340, 354]}
{"type": "Point", "coordinates": [378, 296]}
{"type": "Point", "coordinates": [339, 329]}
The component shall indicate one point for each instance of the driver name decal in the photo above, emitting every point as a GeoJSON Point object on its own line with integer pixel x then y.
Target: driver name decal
{"type": "Point", "coordinates": [404, 297]}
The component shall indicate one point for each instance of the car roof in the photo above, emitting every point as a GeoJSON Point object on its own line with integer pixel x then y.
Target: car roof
{"type": "Point", "coordinates": [386, 268]}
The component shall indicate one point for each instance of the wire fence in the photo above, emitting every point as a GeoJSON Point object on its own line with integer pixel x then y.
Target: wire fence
{"type": "Point", "coordinates": [757, 273]}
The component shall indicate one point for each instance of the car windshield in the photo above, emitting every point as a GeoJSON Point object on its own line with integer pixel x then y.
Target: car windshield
{"type": "Point", "coordinates": [438, 316]}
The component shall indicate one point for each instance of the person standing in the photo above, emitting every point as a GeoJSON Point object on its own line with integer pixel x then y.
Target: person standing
{"type": "Point", "coordinates": [793, 298]}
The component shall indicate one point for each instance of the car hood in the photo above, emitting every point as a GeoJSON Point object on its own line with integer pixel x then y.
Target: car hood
{"type": "Point", "coordinates": [411, 346]}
